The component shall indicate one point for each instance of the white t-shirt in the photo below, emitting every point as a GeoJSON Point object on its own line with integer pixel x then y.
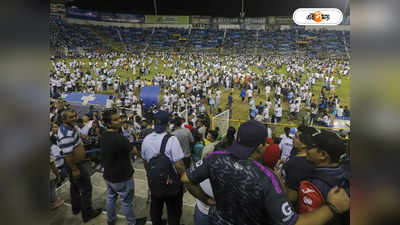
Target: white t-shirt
{"type": "Point", "coordinates": [286, 146]}
{"type": "Point", "coordinates": [278, 112]}
{"type": "Point", "coordinates": [249, 93]}
{"type": "Point", "coordinates": [206, 187]}
{"type": "Point", "coordinates": [340, 112]}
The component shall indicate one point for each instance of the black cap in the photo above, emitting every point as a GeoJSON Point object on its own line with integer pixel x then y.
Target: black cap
{"type": "Point", "coordinates": [249, 136]}
{"type": "Point", "coordinates": [329, 142]}
{"type": "Point", "coordinates": [160, 121]}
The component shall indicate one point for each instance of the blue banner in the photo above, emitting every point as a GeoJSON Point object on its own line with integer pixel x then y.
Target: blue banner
{"type": "Point", "coordinates": [87, 99]}
{"type": "Point", "coordinates": [119, 17]}
{"type": "Point", "coordinates": [74, 12]}
{"type": "Point", "coordinates": [149, 95]}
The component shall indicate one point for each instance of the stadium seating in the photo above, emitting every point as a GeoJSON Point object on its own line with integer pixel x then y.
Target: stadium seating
{"type": "Point", "coordinates": [72, 36]}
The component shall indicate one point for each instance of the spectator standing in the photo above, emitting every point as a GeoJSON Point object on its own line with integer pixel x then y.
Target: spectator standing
{"type": "Point", "coordinates": [185, 139]}
{"type": "Point", "coordinates": [118, 171]}
{"type": "Point", "coordinates": [151, 148]}
{"type": "Point", "coordinates": [286, 144]}
{"type": "Point", "coordinates": [324, 153]}
{"type": "Point", "coordinates": [74, 154]}
{"type": "Point", "coordinates": [212, 136]}
{"type": "Point", "coordinates": [198, 147]}
{"type": "Point", "coordinates": [243, 199]}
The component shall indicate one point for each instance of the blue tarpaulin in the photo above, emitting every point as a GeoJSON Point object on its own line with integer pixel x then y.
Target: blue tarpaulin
{"type": "Point", "coordinates": [87, 99]}
{"type": "Point", "coordinates": [149, 94]}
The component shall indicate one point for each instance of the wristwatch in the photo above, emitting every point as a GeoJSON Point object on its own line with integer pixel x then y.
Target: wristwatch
{"type": "Point", "coordinates": [333, 208]}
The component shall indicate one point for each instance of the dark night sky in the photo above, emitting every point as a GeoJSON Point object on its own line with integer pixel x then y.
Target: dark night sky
{"type": "Point", "coordinates": [224, 8]}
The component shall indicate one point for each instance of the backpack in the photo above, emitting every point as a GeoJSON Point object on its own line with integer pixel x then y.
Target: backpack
{"type": "Point", "coordinates": [340, 219]}
{"type": "Point", "coordinates": [163, 179]}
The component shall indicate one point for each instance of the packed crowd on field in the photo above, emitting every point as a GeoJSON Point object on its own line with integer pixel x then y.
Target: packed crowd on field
{"type": "Point", "coordinates": [198, 82]}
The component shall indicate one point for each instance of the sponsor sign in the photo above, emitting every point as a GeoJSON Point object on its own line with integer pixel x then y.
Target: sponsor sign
{"type": "Point", "coordinates": [167, 19]}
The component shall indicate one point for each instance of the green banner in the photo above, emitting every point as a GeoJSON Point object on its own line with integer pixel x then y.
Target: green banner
{"type": "Point", "coordinates": [167, 19]}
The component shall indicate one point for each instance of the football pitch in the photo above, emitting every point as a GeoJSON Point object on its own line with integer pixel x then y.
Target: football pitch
{"type": "Point", "coordinates": [240, 110]}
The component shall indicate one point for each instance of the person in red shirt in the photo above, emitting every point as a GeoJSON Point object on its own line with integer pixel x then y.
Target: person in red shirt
{"type": "Point", "coordinates": [271, 154]}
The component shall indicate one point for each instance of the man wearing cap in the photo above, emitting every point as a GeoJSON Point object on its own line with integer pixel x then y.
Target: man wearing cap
{"type": "Point", "coordinates": [241, 198]}
{"type": "Point", "coordinates": [324, 152]}
{"type": "Point", "coordinates": [151, 148]}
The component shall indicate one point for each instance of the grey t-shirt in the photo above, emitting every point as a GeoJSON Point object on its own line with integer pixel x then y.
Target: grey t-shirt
{"type": "Point", "coordinates": [185, 137]}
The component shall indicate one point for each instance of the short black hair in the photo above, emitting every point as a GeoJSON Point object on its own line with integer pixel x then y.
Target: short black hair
{"type": "Point", "coordinates": [213, 133]}
{"type": "Point", "coordinates": [107, 115]}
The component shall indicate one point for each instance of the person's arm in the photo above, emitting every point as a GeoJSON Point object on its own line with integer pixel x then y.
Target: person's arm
{"type": "Point", "coordinates": [196, 191]}
{"type": "Point", "coordinates": [340, 203]}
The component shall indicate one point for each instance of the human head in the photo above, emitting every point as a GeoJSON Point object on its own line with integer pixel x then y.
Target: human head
{"type": "Point", "coordinates": [178, 122]}
{"type": "Point", "coordinates": [250, 141]}
{"type": "Point", "coordinates": [325, 148]}
{"type": "Point", "coordinates": [112, 119]}
{"type": "Point", "coordinates": [212, 135]}
{"type": "Point", "coordinates": [303, 137]}
{"type": "Point", "coordinates": [231, 132]}
{"type": "Point", "coordinates": [161, 119]}
{"type": "Point", "coordinates": [69, 117]}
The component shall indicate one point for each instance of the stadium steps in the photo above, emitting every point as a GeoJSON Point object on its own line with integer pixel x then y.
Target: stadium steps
{"type": "Point", "coordinates": [105, 38]}
{"type": "Point", "coordinates": [64, 216]}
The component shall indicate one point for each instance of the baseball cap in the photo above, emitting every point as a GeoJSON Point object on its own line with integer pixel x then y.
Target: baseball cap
{"type": "Point", "coordinates": [160, 121]}
{"type": "Point", "coordinates": [329, 142]}
{"type": "Point", "coordinates": [250, 134]}
{"type": "Point", "coordinates": [292, 132]}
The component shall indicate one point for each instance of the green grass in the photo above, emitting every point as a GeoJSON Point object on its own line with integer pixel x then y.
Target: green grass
{"type": "Point", "coordinates": [239, 108]}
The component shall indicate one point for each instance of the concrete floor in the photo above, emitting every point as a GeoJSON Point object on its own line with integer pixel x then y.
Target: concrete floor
{"type": "Point", "coordinates": [64, 216]}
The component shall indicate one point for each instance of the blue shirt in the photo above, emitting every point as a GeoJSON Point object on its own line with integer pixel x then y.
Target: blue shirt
{"type": "Point", "coordinates": [242, 93]}
{"type": "Point", "coordinates": [68, 138]}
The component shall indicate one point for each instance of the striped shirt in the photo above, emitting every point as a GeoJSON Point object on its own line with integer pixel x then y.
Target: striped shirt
{"type": "Point", "coordinates": [67, 139]}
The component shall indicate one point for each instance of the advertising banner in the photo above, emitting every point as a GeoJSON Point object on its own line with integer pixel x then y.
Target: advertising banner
{"type": "Point", "coordinates": [123, 18]}
{"type": "Point", "coordinates": [255, 27]}
{"type": "Point", "coordinates": [225, 20]}
{"type": "Point", "coordinates": [167, 19]}
{"type": "Point", "coordinates": [284, 20]}
{"type": "Point", "coordinates": [256, 20]}
{"type": "Point", "coordinates": [74, 12]}
{"type": "Point", "coordinates": [200, 19]}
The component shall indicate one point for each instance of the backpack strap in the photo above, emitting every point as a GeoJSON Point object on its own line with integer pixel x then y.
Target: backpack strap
{"type": "Point", "coordinates": [164, 143]}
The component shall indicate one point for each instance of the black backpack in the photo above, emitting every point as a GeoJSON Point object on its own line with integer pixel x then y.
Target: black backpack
{"type": "Point", "coordinates": [163, 179]}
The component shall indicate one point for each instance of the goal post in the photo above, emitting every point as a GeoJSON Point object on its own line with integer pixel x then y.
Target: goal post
{"type": "Point", "coordinates": [222, 122]}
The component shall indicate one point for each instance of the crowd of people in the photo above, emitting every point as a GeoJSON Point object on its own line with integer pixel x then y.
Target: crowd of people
{"type": "Point", "coordinates": [248, 176]}
{"type": "Point", "coordinates": [197, 83]}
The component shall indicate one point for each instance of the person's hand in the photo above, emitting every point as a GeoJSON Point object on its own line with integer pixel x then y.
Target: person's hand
{"type": "Point", "coordinates": [211, 201]}
{"type": "Point", "coordinates": [76, 173]}
{"type": "Point", "coordinates": [339, 198]}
